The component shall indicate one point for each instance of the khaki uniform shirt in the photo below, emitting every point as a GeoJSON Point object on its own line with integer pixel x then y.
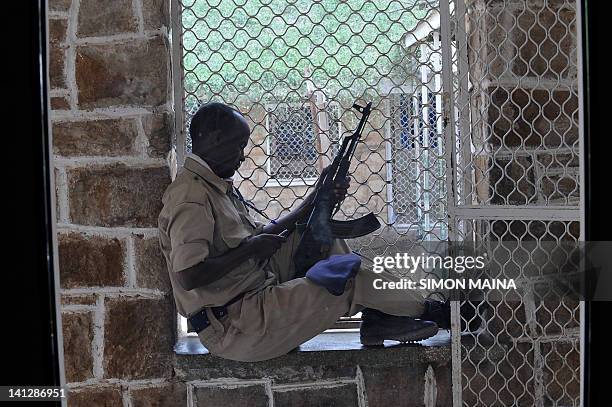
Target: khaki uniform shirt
{"type": "Point", "coordinates": [201, 218]}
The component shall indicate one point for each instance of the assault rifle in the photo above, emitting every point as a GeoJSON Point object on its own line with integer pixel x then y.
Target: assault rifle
{"type": "Point", "coordinates": [321, 229]}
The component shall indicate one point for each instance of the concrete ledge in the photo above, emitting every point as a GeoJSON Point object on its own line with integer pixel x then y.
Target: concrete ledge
{"type": "Point", "coordinates": [329, 355]}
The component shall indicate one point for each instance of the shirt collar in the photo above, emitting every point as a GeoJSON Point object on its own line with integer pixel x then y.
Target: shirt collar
{"type": "Point", "coordinates": [195, 164]}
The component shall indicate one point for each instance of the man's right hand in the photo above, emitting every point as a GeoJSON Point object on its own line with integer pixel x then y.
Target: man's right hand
{"type": "Point", "coordinates": [264, 245]}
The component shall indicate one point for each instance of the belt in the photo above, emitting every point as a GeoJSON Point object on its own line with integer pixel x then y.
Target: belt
{"type": "Point", "coordinates": [199, 321]}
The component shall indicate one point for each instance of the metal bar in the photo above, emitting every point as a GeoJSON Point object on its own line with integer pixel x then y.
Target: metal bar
{"type": "Point", "coordinates": [449, 140]}
{"type": "Point", "coordinates": [177, 80]}
{"type": "Point", "coordinates": [581, 158]}
{"type": "Point", "coordinates": [508, 212]}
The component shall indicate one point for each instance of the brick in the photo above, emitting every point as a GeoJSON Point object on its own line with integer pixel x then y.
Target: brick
{"type": "Point", "coordinates": [512, 181]}
{"type": "Point", "coordinates": [151, 269]}
{"type": "Point", "coordinates": [117, 195]}
{"type": "Point", "coordinates": [168, 395]}
{"type": "Point", "coordinates": [138, 338]}
{"type": "Point", "coordinates": [158, 129]}
{"type": "Point", "coordinates": [344, 395]}
{"type": "Point", "coordinates": [536, 118]}
{"type": "Point", "coordinates": [87, 261]}
{"type": "Point", "coordinates": [395, 386]}
{"type": "Point", "coordinates": [156, 14]}
{"type": "Point", "coordinates": [57, 30]}
{"type": "Point", "coordinates": [57, 66]}
{"type": "Point", "coordinates": [59, 5]}
{"type": "Point", "coordinates": [102, 396]}
{"type": "Point", "coordinates": [78, 335]}
{"type": "Point", "coordinates": [60, 103]}
{"type": "Point", "coordinates": [123, 74]}
{"type": "Point", "coordinates": [106, 18]}
{"type": "Point", "coordinates": [561, 373]}
{"type": "Point", "coordinates": [110, 137]}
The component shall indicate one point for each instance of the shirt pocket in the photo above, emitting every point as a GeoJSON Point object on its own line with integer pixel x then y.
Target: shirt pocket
{"type": "Point", "coordinates": [229, 226]}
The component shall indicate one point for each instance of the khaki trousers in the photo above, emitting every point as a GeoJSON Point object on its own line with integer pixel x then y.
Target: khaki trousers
{"type": "Point", "coordinates": [276, 319]}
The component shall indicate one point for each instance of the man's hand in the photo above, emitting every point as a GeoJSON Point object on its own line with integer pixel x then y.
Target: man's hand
{"type": "Point", "coordinates": [264, 245]}
{"type": "Point", "coordinates": [340, 190]}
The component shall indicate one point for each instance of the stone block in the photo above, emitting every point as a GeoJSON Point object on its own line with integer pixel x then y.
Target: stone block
{"type": "Point", "coordinates": [151, 268]}
{"type": "Point", "coordinates": [342, 395]}
{"type": "Point", "coordinates": [99, 396]}
{"type": "Point", "coordinates": [532, 118]}
{"type": "Point", "coordinates": [166, 395]}
{"type": "Point", "coordinates": [134, 73]}
{"type": "Point", "coordinates": [529, 40]}
{"type": "Point", "coordinates": [78, 335]}
{"type": "Point", "coordinates": [60, 103]}
{"type": "Point", "coordinates": [512, 181]}
{"type": "Point", "coordinates": [402, 386]}
{"type": "Point", "coordinates": [109, 137]}
{"type": "Point", "coordinates": [117, 195]}
{"type": "Point", "coordinates": [156, 14]}
{"type": "Point", "coordinates": [98, 19]}
{"type": "Point", "coordinates": [138, 338]}
{"type": "Point", "coordinates": [253, 395]}
{"type": "Point", "coordinates": [561, 373]}
{"type": "Point", "coordinates": [90, 261]}
{"type": "Point", "coordinates": [86, 299]}
{"type": "Point", "coordinates": [158, 129]}
{"type": "Point", "coordinates": [59, 5]}
{"type": "Point", "coordinates": [57, 66]}
{"type": "Point", "coordinates": [57, 30]}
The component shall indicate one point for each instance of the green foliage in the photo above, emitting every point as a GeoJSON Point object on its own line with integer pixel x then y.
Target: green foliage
{"type": "Point", "coordinates": [263, 50]}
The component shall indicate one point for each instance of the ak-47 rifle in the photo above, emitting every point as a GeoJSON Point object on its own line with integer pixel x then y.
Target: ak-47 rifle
{"type": "Point", "coordinates": [321, 229]}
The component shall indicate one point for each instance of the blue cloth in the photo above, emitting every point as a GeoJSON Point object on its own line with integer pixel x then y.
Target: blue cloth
{"type": "Point", "coordinates": [333, 272]}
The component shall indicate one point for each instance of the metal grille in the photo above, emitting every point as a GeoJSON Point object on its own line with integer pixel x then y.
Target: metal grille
{"type": "Point", "coordinates": [473, 137]}
{"type": "Point", "coordinates": [513, 131]}
{"type": "Point", "coordinates": [294, 138]}
{"type": "Point", "coordinates": [294, 68]}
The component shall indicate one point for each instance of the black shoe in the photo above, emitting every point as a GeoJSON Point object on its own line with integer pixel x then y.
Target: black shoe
{"type": "Point", "coordinates": [439, 312]}
{"type": "Point", "coordinates": [376, 327]}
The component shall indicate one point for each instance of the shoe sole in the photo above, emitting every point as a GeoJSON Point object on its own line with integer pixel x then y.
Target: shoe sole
{"type": "Point", "coordinates": [413, 336]}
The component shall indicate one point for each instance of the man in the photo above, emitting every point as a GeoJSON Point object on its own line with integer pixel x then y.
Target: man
{"type": "Point", "coordinates": [233, 276]}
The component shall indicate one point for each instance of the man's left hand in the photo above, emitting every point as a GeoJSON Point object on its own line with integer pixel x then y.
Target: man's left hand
{"type": "Point", "coordinates": [340, 191]}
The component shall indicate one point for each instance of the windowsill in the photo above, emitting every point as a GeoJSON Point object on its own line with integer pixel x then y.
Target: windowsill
{"type": "Point", "coordinates": [336, 354]}
{"type": "Point", "coordinates": [327, 341]}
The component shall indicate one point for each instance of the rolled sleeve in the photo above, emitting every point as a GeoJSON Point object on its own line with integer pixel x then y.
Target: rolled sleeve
{"type": "Point", "coordinates": [191, 232]}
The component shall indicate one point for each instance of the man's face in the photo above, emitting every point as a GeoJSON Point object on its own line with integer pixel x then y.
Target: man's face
{"type": "Point", "coordinates": [225, 159]}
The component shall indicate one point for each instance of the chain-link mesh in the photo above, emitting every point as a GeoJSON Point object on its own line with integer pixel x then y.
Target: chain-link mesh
{"type": "Point", "coordinates": [294, 68]}
{"type": "Point", "coordinates": [475, 100]}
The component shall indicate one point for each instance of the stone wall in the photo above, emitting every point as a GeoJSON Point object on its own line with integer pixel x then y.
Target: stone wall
{"type": "Point", "coordinates": [112, 126]}
{"type": "Point", "coordinates": [112, 117]}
